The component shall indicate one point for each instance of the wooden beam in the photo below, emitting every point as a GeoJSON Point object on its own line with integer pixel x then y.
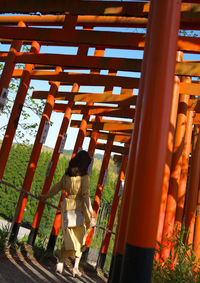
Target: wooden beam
{"type": "Point", "coordinates": [77, 7]}
{"type": "Point", "coordinates": [89, 97]}
{"type": "Point", "coordinates": [100, 39]}
{"type": "Point", "coordinates": [80, 61]}
{"type": "Point", "coordinates": [115, 148]}
{"type": "Point", "coordinates": [118, 112]}
{"type": "Point", "coordinates": [188, 68]}
{"type": "Point", "coordinates": [97, 8]}
{"type": "Point", "coordinates": [82, 79]}
{"type": "Point", "coordinates": [89, 21]}
{"type": "Point", "coordinates": [190, 88]}
{"type": "Point", "coordinates": [65, 37]}
{"type": "Point", "coordinates": [111, 136]}
{"type": "Point", "coordinates": [105, 126]}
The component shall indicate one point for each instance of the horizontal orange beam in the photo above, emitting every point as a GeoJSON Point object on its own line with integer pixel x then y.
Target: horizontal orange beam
{"type": "Point", "coordinates": [66, 37]}
{"type": "Point", "coordinates": [58, 20]}
{"type": "Point", "coordinates": [190, 88]}
{"type": "Point", "coordinates": [105, 126]}
{"type": "Point", "coordinates": [111, 136]}
{"type": "Point", "coordinates": [77, 7]}
{"type": "Point", "coordinates": [137, 9]}
{"type": "Point", "coordinates": [89, 97]}
{"type": "Point", "coordinates": [123, 112]}
{"type": "Point", "coordinates": [115, 148]}
{"type": "Point", "coordinates": [80, 61]}
{"type": "Point", "coordinates": [91, 38]}
{"type": "Point", "coordinates": [82, 79]}
{"type": "Point", "coordinates": [188, 68]}
{"type": "Point", "coordinates": [88, 20]}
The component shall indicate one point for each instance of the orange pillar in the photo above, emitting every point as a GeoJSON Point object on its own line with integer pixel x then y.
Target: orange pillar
{"type": "Point", "coordinates": [191, 202]}
{"type": "Point", "coordinates": [168, 228]}
{"type": "Point", "coordinates": [100, 185]}
{"type": "Point", "coordinates": [40, 139]}
{"type": "Point", "coordinates": [18, 105]}
{"type": "Point", "coordinates": [7, 72]}
{"type": "Point", "coordinates": [170, 145]}
{"type": "Point", "coordinates": [93, 140]}
{"type": "Point", "coordinates": [120, 236]}
{"type": "Point", "coordinates": [196, 244]}
{"type": "Point", "coordinates": [113, 211]}
{"type": "Point", "coordinates": [157, 86]}
{"type": "Point", "coordinates": [184, 172]}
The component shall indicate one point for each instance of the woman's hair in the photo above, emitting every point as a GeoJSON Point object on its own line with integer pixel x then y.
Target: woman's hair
{"type": "Point", "coordinates": [78, 166]}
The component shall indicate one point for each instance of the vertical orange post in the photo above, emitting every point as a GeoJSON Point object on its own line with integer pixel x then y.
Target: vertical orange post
{"type": "Point", "coordinates": [170, 145]}
{"type": "Point", "coordinates": [40, 139]}
{"type": "Point", "coordinates": [184, 172]}
{"type": "Point", "coordinates": [191, 202]}
{"type": "Point", "coordinates": [120, 236]}
{"type": "Point", "coordinates": [17, 107]}
{"type": "Point", "coordinates": [113, 211]}
{"type": "Point", "coordinates": [100, 185]}
{"type": "Point", "coordinates": [9, 66]}
{"type": "Point", "coordinates": [152, 141]}
{"type": "Point", "coordinates": [196, 244]}
{"type": "Point", "coordinates": [168, 228]}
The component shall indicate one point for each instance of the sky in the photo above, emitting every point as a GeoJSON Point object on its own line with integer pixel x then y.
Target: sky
{"type": "Point", "coordinates": [56, 118]}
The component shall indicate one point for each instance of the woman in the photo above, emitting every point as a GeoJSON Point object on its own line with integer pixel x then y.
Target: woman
{"type": "Point", "coordinates": [76, 210]}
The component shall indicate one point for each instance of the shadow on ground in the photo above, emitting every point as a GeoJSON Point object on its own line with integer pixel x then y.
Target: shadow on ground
{"type": "Point", "coordinates": [19, 265]}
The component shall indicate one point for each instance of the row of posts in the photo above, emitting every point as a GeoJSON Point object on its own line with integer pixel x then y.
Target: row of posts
{"type": "Point", "coordinates": [160, 146]}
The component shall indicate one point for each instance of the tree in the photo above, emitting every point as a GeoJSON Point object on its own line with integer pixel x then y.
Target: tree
{"type": "Point", "coordinates": [31, 111]}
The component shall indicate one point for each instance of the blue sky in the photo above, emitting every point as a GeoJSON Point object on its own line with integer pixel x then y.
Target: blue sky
{"type": "Point", "coordinates": [56, 118]}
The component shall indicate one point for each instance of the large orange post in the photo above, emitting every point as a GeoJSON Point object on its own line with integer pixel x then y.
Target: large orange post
{"type": "Point", "coordinates": [18, 104]}
{"type": "Point", "coordinates": [40, 139]}
{"type": "Point", "coordinates": [100, 185]}
{"type": "Point", "coordinates": [170, 145]}
{"type": "Point", "coordinates": [113, 211]}
{"type": "Point", "coordinates": [120, 236]}
{"type": "Point", "coordinates": [79, 143]}
{"type": "Point", "coordinates": [184, 172]}
{"type": "Point", "coordinates": [196, 242]}
{"type": "Point", "coordinates": [152, 141]}
{"type": "Point", "coordinates": [192, 197]}
{"type": "Point", "coordinates": [168, 228]}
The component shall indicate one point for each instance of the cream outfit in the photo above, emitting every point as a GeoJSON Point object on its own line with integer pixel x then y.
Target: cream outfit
{"type": "Point", "coordinates": [77, 189]}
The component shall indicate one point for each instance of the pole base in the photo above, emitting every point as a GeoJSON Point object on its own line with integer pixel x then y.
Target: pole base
{"type": "Point", "coordinates": [101, 260]}
{"type": "Point", "coordinates": [14, 232]}
{"type": "Point", "coordinates": [137, 264]}
{"type": "Point", "coordinates": [51, 243]}
{"type": "Point", "coordinates": [115, 277]}
{"type": "Point", "coordinates": [32, 236]}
